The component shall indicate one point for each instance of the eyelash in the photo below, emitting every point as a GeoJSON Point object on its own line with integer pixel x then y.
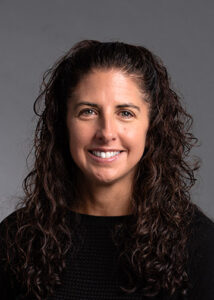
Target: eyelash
{"type": "Point", "coordinates": [88, 109]}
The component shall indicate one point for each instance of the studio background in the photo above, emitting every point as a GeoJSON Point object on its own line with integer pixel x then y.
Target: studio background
{"type": "Point", "coordinates": [33, 34]}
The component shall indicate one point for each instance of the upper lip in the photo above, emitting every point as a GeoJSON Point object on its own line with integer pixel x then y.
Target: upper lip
{"type": "Point", "coordinates": [105, 150]}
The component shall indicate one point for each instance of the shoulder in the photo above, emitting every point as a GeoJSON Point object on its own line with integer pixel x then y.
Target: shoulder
{"type": "Point", "coordinates": [9, 222]}
{"type": "Point", "coordinates": [10, 217]}
{"type": "Point", "coordinates": [201, 256]}
{"type": "Point", "coordinates": [202, 234]}
{"type": "Point", "coordinates": [8, 230]}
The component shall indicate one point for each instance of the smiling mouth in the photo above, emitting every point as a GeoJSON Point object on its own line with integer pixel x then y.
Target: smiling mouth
{"type": "Point", "coordinates": [103, 157]}
{"type": "Point", "coordinates": [105, 154]}
{"type": "Point", "coordinates": [91, 151]}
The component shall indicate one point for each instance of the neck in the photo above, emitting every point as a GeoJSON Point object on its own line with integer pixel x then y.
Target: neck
{"type": "Point", "coordinates": [104, 200]}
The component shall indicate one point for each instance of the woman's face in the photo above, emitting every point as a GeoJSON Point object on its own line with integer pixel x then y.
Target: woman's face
{"type": "Point", "coordinates": [106, 113]}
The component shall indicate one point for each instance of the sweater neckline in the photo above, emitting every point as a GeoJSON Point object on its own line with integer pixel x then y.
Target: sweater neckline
{"type": "Point", "coordinates": [100, 219]}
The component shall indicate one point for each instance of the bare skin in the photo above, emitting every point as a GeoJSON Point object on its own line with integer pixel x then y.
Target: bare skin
{"type": "Point", "coordinates": [106, 188]}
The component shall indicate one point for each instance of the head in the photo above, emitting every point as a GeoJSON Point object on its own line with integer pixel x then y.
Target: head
{"type": "Point", "coordinates": [106, 75]}
{"type": "Point", "coordinates": [107, 112]}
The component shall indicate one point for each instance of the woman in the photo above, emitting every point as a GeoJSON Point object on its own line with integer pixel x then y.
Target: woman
{"type": "Point", "coordinates": [107, 212]}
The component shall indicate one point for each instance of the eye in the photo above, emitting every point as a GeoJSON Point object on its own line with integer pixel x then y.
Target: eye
{"type": "Point", "coordinates": [85, 112]}
{"type": "Point", "coordinates": [127, 114]}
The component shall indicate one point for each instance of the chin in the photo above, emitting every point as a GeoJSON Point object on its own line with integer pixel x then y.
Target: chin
{"type": "Point", "coordinates": [107, 180]}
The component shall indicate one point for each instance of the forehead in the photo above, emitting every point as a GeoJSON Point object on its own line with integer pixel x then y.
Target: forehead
{"type": "Point", "coordinates": [108, 83]}
{"type": "Point", "coordinates": [109, 88]}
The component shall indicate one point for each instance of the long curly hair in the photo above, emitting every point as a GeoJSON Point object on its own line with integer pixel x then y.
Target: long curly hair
{"type": "Point", "coordinates": [155, 249]}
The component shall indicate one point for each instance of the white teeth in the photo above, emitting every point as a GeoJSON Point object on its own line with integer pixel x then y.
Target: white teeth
{"type": "Point", "coordinates": [105, 154]}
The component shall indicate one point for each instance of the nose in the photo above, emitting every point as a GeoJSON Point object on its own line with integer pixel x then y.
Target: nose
{"type": "Point", "coordinates": [106, 130]}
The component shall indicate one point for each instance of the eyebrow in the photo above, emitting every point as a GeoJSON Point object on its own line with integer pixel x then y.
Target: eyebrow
{"type": "Point", "coordinates": [98, 106]}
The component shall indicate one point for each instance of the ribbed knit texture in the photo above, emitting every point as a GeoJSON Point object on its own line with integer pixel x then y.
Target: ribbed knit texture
{"type": "Point", "coordinates": [92, 263]}
{"type": "Point", "coordinates": [92, 271]}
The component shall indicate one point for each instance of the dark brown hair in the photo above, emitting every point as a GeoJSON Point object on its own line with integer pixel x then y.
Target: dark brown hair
{"type": "Point", "coordinates": [155, 252]}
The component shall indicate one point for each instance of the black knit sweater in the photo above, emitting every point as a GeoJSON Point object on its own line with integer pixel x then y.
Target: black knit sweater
{"type": "Point", "coordinates": [92, 270]}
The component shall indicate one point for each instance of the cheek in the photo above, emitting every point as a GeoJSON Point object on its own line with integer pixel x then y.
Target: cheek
{"type": "Point", "coordinates": [79, 139]}
{"type": "Point", "coordinates": [78, 135]}
{"type": "Point", "coordinates": [135, 139]}
{"type": "Point", "coordinates": [135, 134]}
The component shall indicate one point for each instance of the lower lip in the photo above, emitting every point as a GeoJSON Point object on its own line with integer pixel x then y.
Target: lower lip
{"type": "Point", "coordinates": [104, 160]}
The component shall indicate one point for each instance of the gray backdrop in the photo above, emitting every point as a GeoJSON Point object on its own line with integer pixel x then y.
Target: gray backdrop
{"type": "Point", "coordinates": [33, 34]}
